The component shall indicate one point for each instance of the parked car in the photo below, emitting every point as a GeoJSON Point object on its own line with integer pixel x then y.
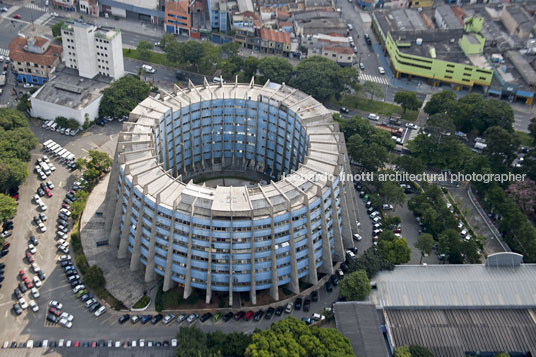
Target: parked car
{"type": "Point", "coordinates": [288, 309]}
{"type": "Point", "coordinates": [124, 318]}
{"type": "Point", "coordinates": [249, 315]}
{"type": "Point", "coordinates": [192, 317]}
{"type": "Point", "coordinates": [269, 313]}
{"type": "Point", "coordinates": [298, 304]}
{"type": "Point", "coordinates": [228, 316]}
{"type": "Point", "coordinates": [205, 317]}
{"type": "Point", "coordinates": [239, 315]}
{"type": "Point", "coordinates": [279, 310]}
{"type": "Point", "coordinates": [258, 315]}
{"type": "Point", "coordinates": [157, 319]}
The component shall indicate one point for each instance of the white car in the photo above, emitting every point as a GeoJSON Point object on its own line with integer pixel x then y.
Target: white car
{"type": "Point", "coordinates": [42, 228]}
{"type": "Point", "coordinates": [67, 316]}
{"type": "Point", "coordinates": [65, 323]}
{"type": "Point", "coordinates": [33, 306]}
{"type": "Point", "coordinates": [147, 68]}
{"type": "Point", "coordinates": [117, 344]}
{"type": "Point", "coordinates": [78, 288]}
{"type": "Point", "coordinates": [54, 303]}
{"type": "Point", "coordinates": [23, 304]}
{"type": "Point", "coordinates": [36, 282]}
{"type": "Point", "coordinates": [55, 14]}
{"type": "Point", "coordinates": [28, 85]}
{"type": "Point", "coordinates": [68, 343]}
{"type": "Point", "coordinates": [66, 212]}
{"type": "Point", "coordinates": [45, 159]}
{"type": "Point", "coordinates": [36, 199]}
{"type": "Point", "coordinates": [357, 237]}
{"type": "Point", "coordinates": [142, 342]}
{"type": "Point", "coordinates": [52, 167]}
{"type": "Point", "coordinates": [100, 311]}
{"type": "Point", "coordinates": [31, 248]}
{"type": "Point", "coordinates": [61, 241]}
{"type": "Point", "coordinates": [61, 235]}
{"type": "Point", "coordinates": [381, 70]}
{"type": "Point", "coordinates": [35, 267]}
{"type": "Point", "coordinates": [173, 342]}
{"type": "Point", "coordinates": [35, 293]}
{"type": "Point", "coordinates": [64, 257]}
{"type": "Point", "coordinates": [374, 117]}
{"type": "Point", "coordinates": [61, 342]}
{"type": "Point", "coordinates": [43, 206]}
{"type": "Point", "coordinates": [50, 185]}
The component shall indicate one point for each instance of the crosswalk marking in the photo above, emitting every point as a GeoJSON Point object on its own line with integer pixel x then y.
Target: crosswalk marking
{"type": "Point", "coordinates": [4, 52]}
{"type": "Point", "coordinates": [36, 7]}
{"type": "Point", "coordinates": [42, 19]}
{"type": "Point", "coordinates": [371, 78]}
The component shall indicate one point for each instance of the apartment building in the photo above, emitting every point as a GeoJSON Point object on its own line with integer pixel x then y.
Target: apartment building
{"type": "Point", "coordinates": [178, 19]}
{"type": "Point", "coordinates": [92, 50]}
{"type": "Point", "coordinates": [34, 59]}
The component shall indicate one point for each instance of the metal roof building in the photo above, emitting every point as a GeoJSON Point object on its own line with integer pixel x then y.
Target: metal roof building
{"type": "Point", "coordinates": [455, 286]}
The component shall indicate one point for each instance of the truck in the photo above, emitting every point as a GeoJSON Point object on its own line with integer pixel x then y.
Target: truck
{"type": "Point", "coordinates": [2, 80]}
{"type": "Point", "coordinates": [393, 131]}
{"type": "Point", "coordinates": [480, 146]}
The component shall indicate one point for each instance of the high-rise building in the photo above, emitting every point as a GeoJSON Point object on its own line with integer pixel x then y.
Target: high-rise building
{"type": "Point", "coordinates": [92, 50]}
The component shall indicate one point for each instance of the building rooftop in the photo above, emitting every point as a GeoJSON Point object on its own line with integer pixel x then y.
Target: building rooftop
{"type": "Point", "coordinates": [453, 332]}
{"type": "Point", "coordinates": [520, 16]}
{"type": "Point", "coordinates": [400, 20]}
{"type": "Point", "coordinates": [18, 53]}
{"type": "Point", "coordinates": [275, 36]}
{"type": "Point", "coordinates": [451, 20]}
{"type": "Point", "coordinates": [468, 285]}
{"type": "Point", "coordinates": [245, 5]}
{"type": "Point", "coordinates": [523, 67]}
{"type": "Point", "coordinates": [360, 323]}
{"type": "Point", "coordinates": [343, 50]}
{"type": "Point", "coordinates": [318, 3]}
{"type": "Point", "coordinates": [67, 89]}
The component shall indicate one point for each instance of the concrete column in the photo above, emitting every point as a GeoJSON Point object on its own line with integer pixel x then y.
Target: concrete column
{"type": "Point", "coordinates": [337, 229]}
{"type": "Point", "coordinates": [294, 284]}
{"type": "Point", "coordinates": [274, 289]}
{"type": "Point", "coordinates": [209, 269]}
{"type": "Point", "coordinates": [327, 259]}
{"type": "Point", "coordinates": [136, 250]}
{"type": "Point", "coordinates": [312, 278]}
{"type": "Point", "coordinates": [346, 229]}
{"type": "Point", "coordinates": [149, 268]}
{"type": "Point", "coordinates": [253, 283]}
{"type": "Point", "coordinates": [187, 277]}
{"type": "Point", "coordinates": [123, 243]}
{"type": "Point", "coordinates": [116, 217]}
{"type": "Point", "coordinates": [168, 283]}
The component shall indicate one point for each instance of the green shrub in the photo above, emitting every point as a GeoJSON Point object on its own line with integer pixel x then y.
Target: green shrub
{"type": "Point", "coordinates": [141, 303]}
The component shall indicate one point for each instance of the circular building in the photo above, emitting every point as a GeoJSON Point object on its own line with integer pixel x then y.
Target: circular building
{"type": "Point", "coordinates": [293, 223]}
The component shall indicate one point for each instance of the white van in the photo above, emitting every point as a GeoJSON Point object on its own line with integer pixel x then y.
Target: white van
{"type": "Point", "coordinates": [46, 168]}
{"type": "Point", "coordinates": [65, 155]}
{"type": "Point", "coordinates": [46, 143]}
{"type": "Point", "coordinates": [61, 152]}
{"type": "Point", "coordinates": [53, 126]}
{"type": "Point", "coordinates": [218, 80]}
{"type": "Point", "coordinates": [53, 147]}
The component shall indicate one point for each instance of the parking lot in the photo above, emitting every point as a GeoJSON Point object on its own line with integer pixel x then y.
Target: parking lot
{"type": "Point", "coordinates": [86, 327]}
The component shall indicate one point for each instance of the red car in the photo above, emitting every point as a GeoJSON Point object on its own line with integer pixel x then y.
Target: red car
{"type": "Point", "coordinates": [29, 257]}
{"type": "Point", "coordinates": [29, 284]}
{"type": "Point", "coordinates": [94, 344]}
{"type": "Point", "coordinates": [76, 344]}
{"type": "Point", "coordinates": [65, 205]}
{"type": "Point", "coordinates": [22, 274]}
{"type": "Point", "coordinates": [249, 315]}
{"type": "Point", "coordinates": [48, 192]}
{"type": "Point", "coordinates": [54, 311]}
{"type": "Point", "coordinates": [17, 16]}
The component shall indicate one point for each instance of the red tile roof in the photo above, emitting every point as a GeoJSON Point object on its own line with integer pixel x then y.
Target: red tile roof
{"type": "Point", "coordinates": [275, 36]}
{"type": "Point", "coordinates": [285, 23]}
{"type": "Point", "coordinates": [18, 54]}
{"type": "Point", "coordinates": [249, 14]}
{"type": "Point", "coordinates": [339, 50]}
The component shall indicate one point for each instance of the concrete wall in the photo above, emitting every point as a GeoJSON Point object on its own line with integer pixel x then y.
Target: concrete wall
{"type": "Point", "coordinates": [115, 53]}
{"type": "Point", "coordinates": [86, 53]}
{"type": "Point", "coordinates": [51, 111]}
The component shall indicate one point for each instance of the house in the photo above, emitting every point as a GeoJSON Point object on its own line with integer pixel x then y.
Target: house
{"type": "Point", "coordinates": [89, 7]}
{"type": "Point", "coordinates": [34, 59]}
{"type": "Point", "coordinates": [344, 56]}
{"type": "Point", "coordinates": [517, 21]}
{"type": "Point", "coordinates": [246, 26]}
{"type": "Point", "coordinates": [66, 5]}
{"type": "Point", "coordinates": [178, 19]}
{"type": "Point", "coordinates": [273, 41]}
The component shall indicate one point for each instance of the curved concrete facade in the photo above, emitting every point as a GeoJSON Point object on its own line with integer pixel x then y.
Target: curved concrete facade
{"type": "Point", "coordinates": [235, 239]}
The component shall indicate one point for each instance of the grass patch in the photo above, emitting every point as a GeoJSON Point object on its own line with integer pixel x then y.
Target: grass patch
{"type": "Point", "coordinates": [173, 299]}
{"type": "Point", "coordinates": [376, 106]}
{"type": "Point", "coordinates": [524, 138]}
{"type": "Point", "coordinates": [144, 301]}
{"type": "Point", "coordinates": [156, 57]}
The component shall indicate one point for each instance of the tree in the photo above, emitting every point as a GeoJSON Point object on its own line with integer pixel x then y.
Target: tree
{"type": "Point", "coordinates": [409, 164]}
{"type": "Point", "coordinates": [393, 249]}
{"type": "Point", "coordinates": [56, 29]}
{"type": "Point", "coordinates": [402, 351]}
{"type": "Point", "coordinates": [371, 262]}
{"type": "Point", "coordinates": [11, 119]}
{"type": "Point", "coordinates": [191, 342]}
{"type": "Point", "coordinates": [122, 96]}
{"type": "Point", "coordinates": [24, 104]}
{"type": "Point", "coordinates": [144, 49]}
{"type": "Point", "coordinates": [166, 39]}
{"type": "Point", "coordinates": [523, 192]}
{"type": "Point", "coordinates": [173, 51]}
{"type": "Point", "coordinates": [440, 102]}
{"type": "Point", "coordinates": [94, 278]}
{"type": "Point", "coordinates": [232, 344]}
{"type": "Point", "coordinates": [13, 172]}
{"type": "Point", "coordinates": [275, 69]}
{"type": "Point", "coordinates": [425, 243]}
{"type": "Point", "coordinates": [250, 66]}
{"type": "Point", "coordinates": [80, 163]}
{"type": "Point", "coordinates": [501, 148]}
{"type": "Point", "coordinates": [372, 88]}
{"type": "Point", "coordinates": [291, 337]}
{"type": "Point", "coordinates": [420, 351]}
{"type": "Point", "coordinates": [8, 207]}
{"type": "Point", "coordinates": [191, 52]}
{"type": "Point", "coordinates": [230, 49]}
{"type": "Point", "coordinates": [99, 160]}
{"type": "Point", "coordinates": [532, 130]}
{"type": "Point", "coordinates": [407, 100]}
{"type": "Point", "coordinates": [449, 243]}
{"type": "Point", "coordinates": [320, 77]}
{"type": "Point", "coordinates": [355, 286]}
{"type": "Point", "coordinates": [392, 193]}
